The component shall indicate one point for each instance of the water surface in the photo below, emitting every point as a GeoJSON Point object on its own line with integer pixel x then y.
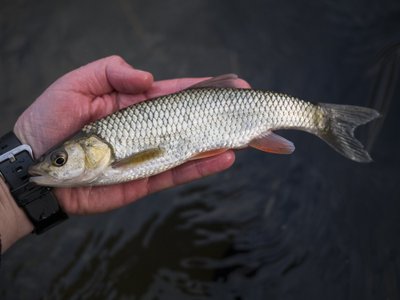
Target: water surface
{"type": "Point", "coordinates": [312, 225]}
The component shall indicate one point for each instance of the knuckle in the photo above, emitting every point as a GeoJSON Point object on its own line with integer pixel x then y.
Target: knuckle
{"type": "Point", "coordinates": [116, 59]}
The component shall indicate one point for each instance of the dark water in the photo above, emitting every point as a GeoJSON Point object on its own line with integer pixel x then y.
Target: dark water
{"type": "Point", "coordinates": [308, 226]}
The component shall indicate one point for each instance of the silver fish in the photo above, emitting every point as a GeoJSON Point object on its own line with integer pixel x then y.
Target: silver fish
{"type": "Point", "coordinates": [204, 120]}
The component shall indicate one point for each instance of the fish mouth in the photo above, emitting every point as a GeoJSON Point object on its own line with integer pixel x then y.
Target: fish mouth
{"type": "Point", "coordinates": [44, 180]}
{"type": "Point", "coordinates": [35, 171]}
{"type": "Point", "coordinates": [37, 176]}
{"type": "Point", "coordinates": [41, 178]}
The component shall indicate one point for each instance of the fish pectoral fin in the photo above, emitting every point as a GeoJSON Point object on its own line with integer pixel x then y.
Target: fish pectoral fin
{"type": "Point", "coordinates": [222, 81]}
{"type": "Point", "coordinates": [138, 158]}
{"type": "Point", "coordinates": [208, 154]}
{"type": "Point", "coordinates": [273, 143]}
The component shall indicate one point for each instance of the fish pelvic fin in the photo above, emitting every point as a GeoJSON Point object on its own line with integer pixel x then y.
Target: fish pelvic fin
{"type": "Point", "coordinates": [138, 158]}
{"type": "Point", "coordinates": [337, 129]}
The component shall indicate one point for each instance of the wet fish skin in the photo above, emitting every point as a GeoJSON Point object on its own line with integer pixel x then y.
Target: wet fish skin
{"type": "Point", "coordinates": [199, 120]}
{"type": "Point", "coordinates": [157, 135]}
{"type": "Point", "coordinates": [202, 119]}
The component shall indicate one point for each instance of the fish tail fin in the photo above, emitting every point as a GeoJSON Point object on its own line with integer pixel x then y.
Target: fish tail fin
{"type": "Point", "coordinates": [340, 121]}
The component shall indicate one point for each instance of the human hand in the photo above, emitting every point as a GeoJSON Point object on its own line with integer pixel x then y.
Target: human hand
{"type": "Point", "coordinates": [89, 93]}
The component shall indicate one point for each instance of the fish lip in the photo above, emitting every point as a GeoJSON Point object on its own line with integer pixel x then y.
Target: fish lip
{"type": "Point", "coordinates": [39, 180]}
{"type": "Point", "coordinates": [35, 171]}
{"type": "Point", "coordinates": [44, 180]}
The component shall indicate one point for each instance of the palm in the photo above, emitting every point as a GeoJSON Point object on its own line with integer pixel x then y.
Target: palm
{"type": "Point", "coordinates": [92, 92]}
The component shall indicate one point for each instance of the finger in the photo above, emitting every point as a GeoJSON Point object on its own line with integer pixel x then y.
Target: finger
{"type": "Point", "coordinates": [105, 76]}
{"type": "Point", "coordinates": [165, 87]}
{"type": "Point", "coordinates": [170, 86]}
{"type": "Point", "coordinates": [191, 171]}
{"type": "Point", "coordinates": [104, 198]}
{"type": "Point", "coordinates": [125, 79]}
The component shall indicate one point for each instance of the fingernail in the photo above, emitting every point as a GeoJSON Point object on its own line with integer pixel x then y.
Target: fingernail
{"type": "Point", "coordinates": [145, 74]}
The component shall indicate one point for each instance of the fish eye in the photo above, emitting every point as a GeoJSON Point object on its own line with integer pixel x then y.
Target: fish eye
{"type": "Point", "coordinates": [59, 158]}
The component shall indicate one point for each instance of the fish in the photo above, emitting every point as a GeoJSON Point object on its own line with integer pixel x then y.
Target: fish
{"type": "Point", "coordinates": [201, 121]}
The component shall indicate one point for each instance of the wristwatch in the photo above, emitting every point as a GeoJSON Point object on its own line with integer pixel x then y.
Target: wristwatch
{"type": "Point", "coordinates": [38, 202]}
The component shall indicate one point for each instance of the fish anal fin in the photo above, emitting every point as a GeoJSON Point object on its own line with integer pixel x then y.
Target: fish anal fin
{"type": "Point", "coordinates": [273, 143]}
{"type": "Point", "coordinates": [222, 81]}
{"type": "Point", "coordinates": [208, 154]}
{"type": "Point", "coordinates": [138, 158]}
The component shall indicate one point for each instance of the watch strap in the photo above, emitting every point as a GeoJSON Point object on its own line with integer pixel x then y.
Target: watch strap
{"type": "Point", "coordinates": [38, 202]}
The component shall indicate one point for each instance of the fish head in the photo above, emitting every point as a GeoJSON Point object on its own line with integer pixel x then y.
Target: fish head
{"type": "Point", "coordinates": [74, 163]}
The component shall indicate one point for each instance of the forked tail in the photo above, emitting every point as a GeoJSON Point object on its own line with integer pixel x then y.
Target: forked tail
{"type": "Point", "coordinates": [338, 129]}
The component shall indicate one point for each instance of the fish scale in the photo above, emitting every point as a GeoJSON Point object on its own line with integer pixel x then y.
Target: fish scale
{"type": "Point", "coordinates": [208, 118]}
{"type": "Point", "coordinates": [156, 135]}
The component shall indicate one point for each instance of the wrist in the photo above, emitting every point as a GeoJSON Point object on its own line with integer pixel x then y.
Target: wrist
{"type": "Point", "coordinates": [14, 224]}
{"type": "Point", "coordinates": [24, 206]}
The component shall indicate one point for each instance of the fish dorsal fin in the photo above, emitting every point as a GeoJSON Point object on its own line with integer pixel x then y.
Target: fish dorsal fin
{"type": "Point", "coordinates": [208, 154]}
{"type": "Point", "coordinates": [221, 81]}
{"type": "Point", "coordinates": [138, 158]}
{"type": "Point", "coordinates": [273, 143]}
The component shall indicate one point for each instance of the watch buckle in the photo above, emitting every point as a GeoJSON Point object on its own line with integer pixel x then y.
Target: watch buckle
{"type": "Point", "coordinates": [10, 155]}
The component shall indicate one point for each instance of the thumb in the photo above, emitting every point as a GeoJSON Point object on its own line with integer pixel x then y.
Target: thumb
{"type": "Point", "coordinates": [125, 79]}
{"type": "Point", "coordinates": [106, 75]}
